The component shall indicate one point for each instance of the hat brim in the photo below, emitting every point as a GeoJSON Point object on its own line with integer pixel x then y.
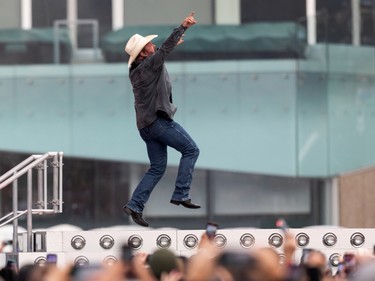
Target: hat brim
{"type": "Point", "coordinates": [136, 52]}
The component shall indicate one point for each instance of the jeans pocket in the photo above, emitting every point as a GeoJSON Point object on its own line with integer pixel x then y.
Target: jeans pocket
{"type": "Point", "coordinates": [152, 131]}
{"type": "Point", "coordinates": [145, 132]}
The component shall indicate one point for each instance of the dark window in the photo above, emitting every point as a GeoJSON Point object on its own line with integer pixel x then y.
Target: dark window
{"type": "Point", "coordinates": [45, 12]}
{"type": "Point", "coordinates": [100, 10]}
{"type": "Point", "coordinates": [334, 21]}
{"type": "Point", "coordinates": [368, 22]}
{"type": "Point", "coordinates": [271, 10]}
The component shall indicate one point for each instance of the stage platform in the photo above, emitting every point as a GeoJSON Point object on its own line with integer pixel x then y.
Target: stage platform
{"type": "Point", "coordinates": [103, 245]}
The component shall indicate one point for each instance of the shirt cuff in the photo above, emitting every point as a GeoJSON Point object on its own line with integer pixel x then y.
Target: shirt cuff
{"type": "Point", "coordinates": [183, 27]}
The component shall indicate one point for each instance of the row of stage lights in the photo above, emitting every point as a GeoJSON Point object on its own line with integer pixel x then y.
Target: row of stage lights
{"type": "Point", "coordinates": [334, 259]}
{"type": "Point", "coordinates": [246, 241]}
{"type": "Point", "coordinates": [79, 261]}
{"type": "Point", "coordinates": [190, 242]}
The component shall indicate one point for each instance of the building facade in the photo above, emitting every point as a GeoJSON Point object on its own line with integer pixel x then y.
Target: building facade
{"type": "Point", "coordinates": [273, 141]}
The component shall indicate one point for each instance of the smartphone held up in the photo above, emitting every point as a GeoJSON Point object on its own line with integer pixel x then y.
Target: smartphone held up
{"type": "Point", "coordinates": [281, 224]}
{"type": "Point", "coordinates": [211, 229]}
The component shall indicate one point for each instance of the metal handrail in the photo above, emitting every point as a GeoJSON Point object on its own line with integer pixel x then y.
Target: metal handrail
{"type": "Point", "coordinates": [12, 176]}
{"type": "Point", "coordinates": [73, 37]}
{"type": "Point", "coordinates": [16, 168]}
{"type": "Point", "coordinates": [20, 213]}
{"type": "Point", "coordinates": [38, 159]}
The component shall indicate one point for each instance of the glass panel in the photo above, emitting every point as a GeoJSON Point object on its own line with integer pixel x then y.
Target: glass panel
{"type": "Point", "coordinates": [311, 103]}
{"type": "Point", "coordinates": [256, 194]}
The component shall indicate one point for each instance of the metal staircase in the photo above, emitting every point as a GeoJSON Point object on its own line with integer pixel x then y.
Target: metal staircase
{"type": "Point", "coordinates": [47, 189]}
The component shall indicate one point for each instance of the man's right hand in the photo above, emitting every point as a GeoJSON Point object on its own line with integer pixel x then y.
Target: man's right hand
{"type": "Point", "coordinates": [189, 20]}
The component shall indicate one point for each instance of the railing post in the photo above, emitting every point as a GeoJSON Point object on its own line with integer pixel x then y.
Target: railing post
{"type": "Point", "coordinates": [15, 211]}
{"type": "Point", "coordinates": [45, 185]}
{"type": "Point", "coordinates": [61, 181]}
{"type": "Point", "coordinates": [29, 211]}
{"type": "Point", "coordinates": [55, 198]}
{"type": "Point", "coordinates": [56, 43]}
{"type": "Point", "coordinates": [40, 202]}
{"type": "Point", "coordinates": [95, 38]}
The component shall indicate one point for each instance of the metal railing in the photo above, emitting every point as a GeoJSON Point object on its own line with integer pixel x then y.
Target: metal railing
{"type": "Point", "coordinates": [72, 27]}
{"type": "Point", "coordinates": [39, 162]}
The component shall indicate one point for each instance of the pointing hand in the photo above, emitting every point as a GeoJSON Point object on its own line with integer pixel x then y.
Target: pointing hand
{"type": "Point", "coordinates": [189, 20]}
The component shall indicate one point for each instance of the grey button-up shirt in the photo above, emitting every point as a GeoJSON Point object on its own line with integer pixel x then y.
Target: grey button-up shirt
{"type": "Point", "coordinates": [151, 84]}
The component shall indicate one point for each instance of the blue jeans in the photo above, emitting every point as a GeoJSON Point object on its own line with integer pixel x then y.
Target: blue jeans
{"type": "Point", "coordinates": [158, 136]}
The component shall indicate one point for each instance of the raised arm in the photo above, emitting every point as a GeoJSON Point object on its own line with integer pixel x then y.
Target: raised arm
{"type": "Point", "coordinates": [172, 41]}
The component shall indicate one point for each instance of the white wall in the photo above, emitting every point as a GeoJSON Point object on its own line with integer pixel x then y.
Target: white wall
{"type": "Point", "coordinates": [10, 16]}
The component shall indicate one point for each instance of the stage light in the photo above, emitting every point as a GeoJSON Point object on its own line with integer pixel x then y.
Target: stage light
{"type": "Point", "coordinates": [163, 241]}
{"type": "Point", "coordinates": [135, 242]}
{"type": "Point", "coordinates": [247, 240]}
{"type": "Point", "coordinates": [334, 259]}
{"type": "Point", "coordinates": [329, 239]}
{"type": "Point", "coordinates": [357, 239]}
{"type": "Point", "coordinates": [81, 261]}
{"type": "Point", "coordinates": [78, 242]}
{"type": "Point", "coordinates": [110, 260]}
{"type": "Point", "coordinates": [40, 261]}
{"type": "Point", "coordinates": [190, 241]}
{"type": "Point", "coordinates": [106, 242]}
{"type": "Point", "coordinates": [220, 240]}
{"type": "Point", "coordinates": [302, 239]}
{"type": "Point", "coordinates": [275, 240]}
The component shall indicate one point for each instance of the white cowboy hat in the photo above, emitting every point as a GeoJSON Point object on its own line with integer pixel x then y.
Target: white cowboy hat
{"type": "Point", "coordinates": [135, 46]}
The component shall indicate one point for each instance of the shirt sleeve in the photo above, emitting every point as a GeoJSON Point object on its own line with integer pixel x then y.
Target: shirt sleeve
{"type": "Point", "coordinates": [168, 46]}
